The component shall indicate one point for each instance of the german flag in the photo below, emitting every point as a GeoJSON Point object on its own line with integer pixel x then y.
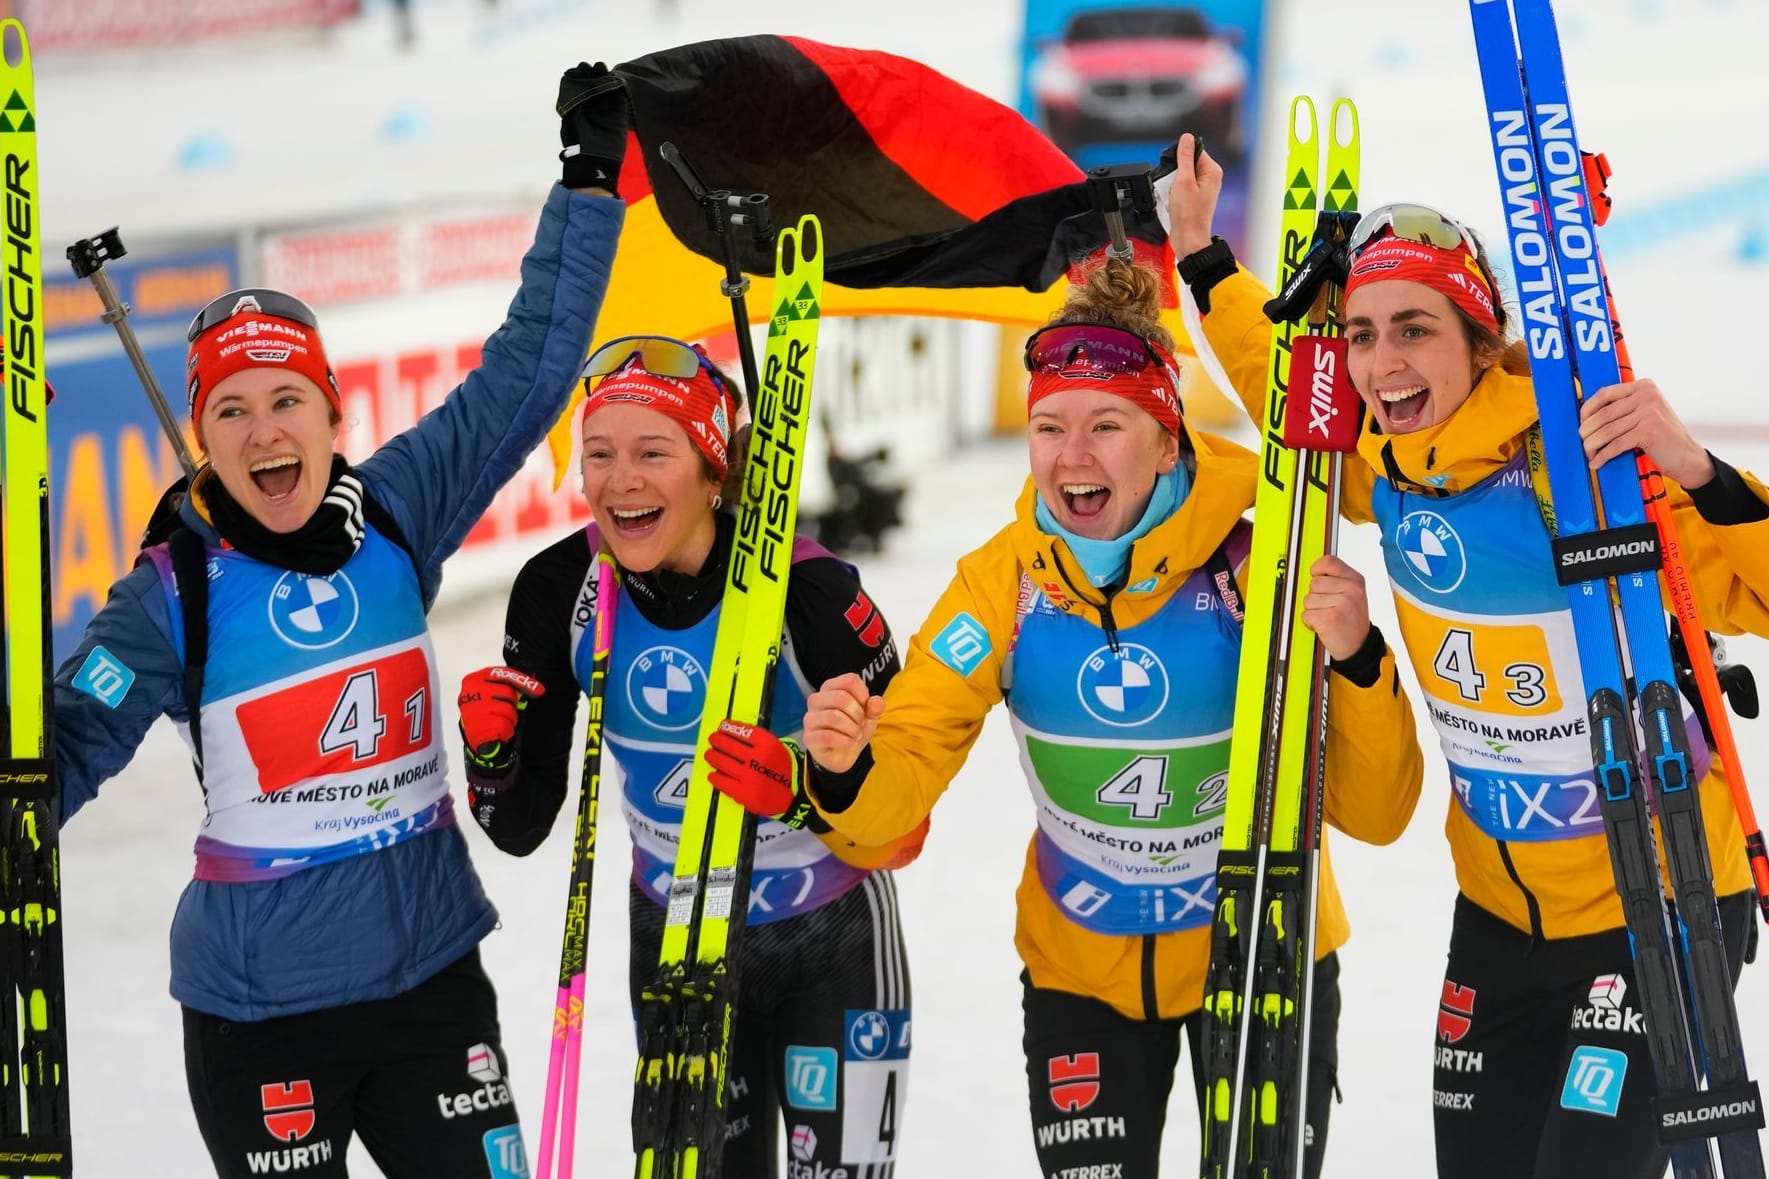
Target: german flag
{"type": "Point", "coordinates": [934, 199]}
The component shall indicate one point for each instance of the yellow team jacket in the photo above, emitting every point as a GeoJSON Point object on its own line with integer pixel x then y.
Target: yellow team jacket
{"type": "Point", "coordinates": [933, 715]}
{"type": "Point", "coordinates": [1570, 881]}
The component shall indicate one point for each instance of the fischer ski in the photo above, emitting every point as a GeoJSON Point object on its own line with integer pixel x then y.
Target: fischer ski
{"type": "Point", "coordinates": [1256, 991]}
{"type": "Point", "coordinates": [686, 1013]}
{"type": "Point", "coordinates": [34, 1119]}
{"type": "Point", "coordinates": [1609, 557]}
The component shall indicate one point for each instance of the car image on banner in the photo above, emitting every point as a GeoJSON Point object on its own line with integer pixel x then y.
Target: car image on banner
{"type": "Point", "coordinates": [1134, 74]}
{"type": "Point", "coordinates": [1114, 83]}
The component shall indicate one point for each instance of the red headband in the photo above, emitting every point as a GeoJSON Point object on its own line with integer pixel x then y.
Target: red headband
{"type": "Point", "coordinates": [698, 404]}
{"type": "Point", "coordinates": [1150, 390]}
{"type": "Point", "coordinates": [252, 339]}
{"type": "Point", "coordinates": [1451, 273]}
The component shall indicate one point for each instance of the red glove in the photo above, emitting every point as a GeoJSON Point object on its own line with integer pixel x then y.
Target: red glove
{"type": "Point", "coordinates": [758, 770]}
{"type": "Point", "coordinates": [491, 702]}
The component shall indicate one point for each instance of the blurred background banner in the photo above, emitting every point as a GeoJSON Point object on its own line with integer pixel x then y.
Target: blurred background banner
{"type": "Point", "coordinates": [78, 25]}
{"type": "Point", "coordinates": [1114, 83]}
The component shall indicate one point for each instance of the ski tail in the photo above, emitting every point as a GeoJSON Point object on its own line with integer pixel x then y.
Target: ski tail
{"type": "Point", "coordinates": [559, 1110]}
{"type": "Point", "coordinates": [35, 1137]}
{"type": "Point", "coordinates": [1681, 971]}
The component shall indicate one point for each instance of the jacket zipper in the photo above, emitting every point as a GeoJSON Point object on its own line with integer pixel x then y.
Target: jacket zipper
{"type": "Point", "coordinates": [1529, 898]}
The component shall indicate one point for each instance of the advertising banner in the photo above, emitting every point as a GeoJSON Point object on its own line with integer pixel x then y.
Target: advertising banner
{"type": "Point", "coordinates": [1115, 83]}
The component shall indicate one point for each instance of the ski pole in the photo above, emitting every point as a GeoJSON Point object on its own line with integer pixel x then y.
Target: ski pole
{"type": "Point", "coordinates": [726, 212]}
{"type": "Point", "coordinates": [88, 257]}
{"type": "Point", "coordinates": [559, 1112]}
{"type": "Point", "coordinates": [1680, 586]}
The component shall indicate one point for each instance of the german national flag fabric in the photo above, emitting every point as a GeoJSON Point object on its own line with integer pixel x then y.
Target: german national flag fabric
{"type": "Point", "coordinates": [934, 200]}
{"type": "Point", "coordinates": [918, 181]}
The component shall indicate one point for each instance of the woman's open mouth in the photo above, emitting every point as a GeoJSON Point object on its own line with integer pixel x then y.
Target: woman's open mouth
{"type": "Point", "coordinates": [276, 478]}
{"type": "Point", "coordinates": [1405, 407]}
{"type": "Point", "coordinates": [1085, 501]}
{"type": "Point", "coordinates": [634, 522]}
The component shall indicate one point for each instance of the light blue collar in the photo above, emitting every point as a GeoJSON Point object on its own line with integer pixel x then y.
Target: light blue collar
{"type": "Point", "coordinates": [1106, 562]}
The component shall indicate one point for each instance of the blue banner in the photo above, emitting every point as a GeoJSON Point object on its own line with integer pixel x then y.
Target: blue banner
{"type": "Point", "coordinates": [1114, 83]}
{"type": "Point", "coordinates": [108, 459]}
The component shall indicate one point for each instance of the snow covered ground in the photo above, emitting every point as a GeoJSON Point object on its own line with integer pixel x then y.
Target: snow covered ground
{"type": "Point", "coordinates": [1667, 91]}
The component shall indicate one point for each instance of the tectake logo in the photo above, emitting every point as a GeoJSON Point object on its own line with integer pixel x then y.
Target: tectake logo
{"type": "Point", "coordinates": [482, 1063]}
{"type": "Point", "coordinates": [804, 1143]}
{"type": "Point", "coordinates": [313, 612]}
{"type": "Point", "coordinates": [1431, 551]}
{"type": "Point", "coordinates": [1123, 688]}
{"type": "Point", "coordinates": [667, 687]}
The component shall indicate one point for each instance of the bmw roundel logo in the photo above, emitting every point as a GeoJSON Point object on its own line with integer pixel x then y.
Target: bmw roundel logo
{"type": "Point", "coordinates": [313, 612]}
{"type": "Point", "coordinates": [1125, 687]}
{"type": "Point", "coordinates": [869, 1035]}
{"type": "Point", "coordinates": [1431, 551]}
{"type": "Point", "coordinates": [667, 687]}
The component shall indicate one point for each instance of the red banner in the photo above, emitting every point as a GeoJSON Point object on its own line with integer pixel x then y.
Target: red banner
{"type": "Point", "coordinates": [383, 261]}
{"type": "Point", "coordinates": [119, 24]}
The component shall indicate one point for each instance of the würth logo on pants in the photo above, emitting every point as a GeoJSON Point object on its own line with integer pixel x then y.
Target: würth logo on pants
{"type": "Point", "coordinates": [1074, 1081]}
{"type": "Point", "coordinates": [288, 1110]}
{"type": "Point", "coordinates": [1455, 1013]}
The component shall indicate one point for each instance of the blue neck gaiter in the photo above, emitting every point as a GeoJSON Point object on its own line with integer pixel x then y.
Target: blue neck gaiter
{"type": "Point", "coordinates": [1105, 562]}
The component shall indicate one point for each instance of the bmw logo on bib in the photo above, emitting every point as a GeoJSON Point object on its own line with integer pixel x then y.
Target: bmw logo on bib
{"type": "Point", "coordinates": [1124, 687]}
{"type": "Point", "coordinates": [667, 687]}
{"type": "Point", "coordinates": [1431, 551]}
{"type": "Point", "coordinates": [313, 612]}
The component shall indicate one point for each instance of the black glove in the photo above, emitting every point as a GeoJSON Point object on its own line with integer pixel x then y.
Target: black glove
{"type": "Point", "coordinates": [592, 125]}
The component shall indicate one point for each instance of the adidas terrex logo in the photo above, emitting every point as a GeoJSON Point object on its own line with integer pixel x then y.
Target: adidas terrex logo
{"type": "Point", "coordinates": [1608, 552]}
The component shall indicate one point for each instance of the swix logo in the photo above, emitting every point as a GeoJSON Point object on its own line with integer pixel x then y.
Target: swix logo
{"type": "Point", "coordinates": [1455, 1012]}
{"type": "Point", "coordinates": [1074, 1081]}
{"type": "Point", "coordinates": [269, 355]}
{"type": "Point", "coordinates": [288, 1110]}
{"type": "Point", "coordinates": [1320, 393]}
{"type": "Point", "coordinates": [1319, 422]}
{"type": "Point", "coordinates": [867, 622]}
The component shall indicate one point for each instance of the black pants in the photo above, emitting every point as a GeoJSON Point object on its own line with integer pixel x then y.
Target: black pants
{"type": "Point", "coordinates": [820, 1037]}
{"type": "Point", "coordinates": [419, 1077]}
{"type": "Point", "coordinates": [1542, 1061]}
{"type": "Point", "coordinates": [1098, 1081]}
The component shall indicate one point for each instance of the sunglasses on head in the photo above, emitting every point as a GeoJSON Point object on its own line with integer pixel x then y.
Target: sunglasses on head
{"type": "Point", "coordinates": [1089, 347]}
{"type": "Point", "coordinates": [261, 300]}
{"type": "Point", "coordinates": [658, 355]}
{"type": "Point", "coordinates": [1413, 223]}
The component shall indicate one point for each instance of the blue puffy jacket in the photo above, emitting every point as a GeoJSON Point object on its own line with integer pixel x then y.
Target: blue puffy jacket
{"type": "Point", "coordinates": [372, 925]}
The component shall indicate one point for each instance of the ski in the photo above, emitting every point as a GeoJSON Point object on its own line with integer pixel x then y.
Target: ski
{"type": "Point", "coordinates": [1609, 558]}
{"type": "Point", "coordinates": [686, 1013]}
{"type": "Point", "coordinates": [1256, 989]}
{"type": "Point", "coordinates": [34, 1119]}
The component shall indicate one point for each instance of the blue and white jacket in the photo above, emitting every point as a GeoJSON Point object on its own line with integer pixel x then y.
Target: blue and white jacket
{"type": "Point", "coordinates": [342, 879]}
